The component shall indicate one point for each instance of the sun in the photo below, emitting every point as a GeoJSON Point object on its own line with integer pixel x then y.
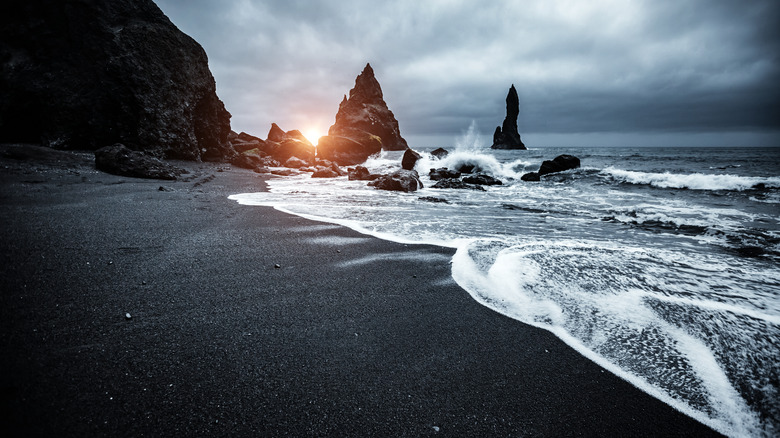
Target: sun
{"type": "Point", "coordinates": [313, 134]}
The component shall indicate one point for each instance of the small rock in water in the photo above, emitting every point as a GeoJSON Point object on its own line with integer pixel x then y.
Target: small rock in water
{"type": "Point", "coordinates": [435, 428]}
{"type": "Point", "coordinates": [277, 266]}
{"type": "Point", "coordinates": [128, 316]}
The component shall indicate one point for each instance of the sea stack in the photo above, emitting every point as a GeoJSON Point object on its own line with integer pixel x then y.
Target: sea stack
{"type": "Point", "coordinates": [88, 74]}
{"type": "Point", "coordinates": [506, 135]}
{"type": "Point", "coordinates": [364, 125]}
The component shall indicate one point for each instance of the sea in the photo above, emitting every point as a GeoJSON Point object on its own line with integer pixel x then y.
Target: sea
{"type": "Point", "coordinates": [660, 264]}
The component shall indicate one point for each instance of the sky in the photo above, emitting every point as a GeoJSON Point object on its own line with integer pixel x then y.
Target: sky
{"type": "Point", "coordinates": [588, 73]}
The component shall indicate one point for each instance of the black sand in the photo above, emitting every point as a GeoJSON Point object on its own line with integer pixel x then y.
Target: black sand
{"type": "Point", "coordinates": [350, 336]}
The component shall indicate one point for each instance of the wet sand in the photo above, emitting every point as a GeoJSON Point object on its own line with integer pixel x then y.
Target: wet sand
{"type": "Point", "coordinates": [348, 336]}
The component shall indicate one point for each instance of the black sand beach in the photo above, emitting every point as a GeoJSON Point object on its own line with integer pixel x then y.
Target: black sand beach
{"type": "Point", "coordinates": [349, 336]}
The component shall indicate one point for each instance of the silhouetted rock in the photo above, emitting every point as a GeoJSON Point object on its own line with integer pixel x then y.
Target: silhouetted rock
{"type": "Point", "coordinates": [120, 160]}
{"type": "Point", "coordinates": [401, 180]}
{"type": "Point", "coordinates": [531, 176]}
{"type": "Point", "coordinates": [83, 74]}
{"type": "Point", "coordinates": [409, 159]}
{"type": "Point", "coordinates": [443, 173]}
{"type": "Point", "coordinates": [363, 118]}
{"type": "Point", "coordinates": [433, 199]}
{"type": "Point", "coordinates": [360, 173]}
{"type": "Point", "coordinates": [324, 172]}
{"type": "Point", "coordinates": [275, 134]}
{"type": "Point", "coordinates": [455, 183]}
{"type": "Point", "coordinates": [506, 135]}
{"type": "Point", "coordinates": [440, 153]}
{"type": "Point", "coordinates": [283, 145]}
{"type": "Point", "coordinates": [482, 180]}
{"type": "Point", "coordinates": [559, 164]}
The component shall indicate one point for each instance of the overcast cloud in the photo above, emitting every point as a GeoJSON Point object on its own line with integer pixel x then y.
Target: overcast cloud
{"type": "Point", "coordinates": [607, 71]}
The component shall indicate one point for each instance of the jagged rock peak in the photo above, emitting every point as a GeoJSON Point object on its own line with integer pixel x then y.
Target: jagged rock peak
{"type": "Point", "coordinates": [366, 86]}
{"type": "Point", "coordinates": [506, 135]}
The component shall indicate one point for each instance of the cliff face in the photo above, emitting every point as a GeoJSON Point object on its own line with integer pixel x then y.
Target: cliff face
{"type": "Point", "coordinates": [364, 124]}
{"type": "Point", "coordinates": [506, 135]}
{"type": "Point", "coordinates": [89, 73]}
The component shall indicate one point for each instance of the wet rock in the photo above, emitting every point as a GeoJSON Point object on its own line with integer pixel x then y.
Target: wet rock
{"type": "Point", "coordinates": [409, 159]}
{"type": "Point", "coordinates": [284, 172]}
{"type": "Point", "coordinates": [120, 160]}
{"type": "Point", "coordinates": [401, 180]}
{"type": "Point", "coordinates": [440, 153]}
{"type": "Point", "coordinates": [443, 173]}
{"type": "Point", "coordinates": [92, 73]}
{"type": "Point", "coordinates": [454, 183]}
{"type": "Point", "coordinates": [466, 168]}
{"type": "Point", "coordinates": [324, 172]}
{"type": "Point", "coordinates": [365, 119]}
{"type": "Point", "coordinates": [360, 173]}
{"type": "Point", "coordinates": [482, 180]}
{"type": "Point", "coordinates": [433, 199]}
{"type": "Point", "coordinates": [559, 164]}
{"type": "Point", "coordinates": [531, 176]}
{"type": "Point", "coordinates": [295, 163]}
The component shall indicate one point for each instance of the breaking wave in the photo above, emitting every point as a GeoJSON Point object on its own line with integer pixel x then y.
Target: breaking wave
{"type": "Point", "coordinates": [692, 181]}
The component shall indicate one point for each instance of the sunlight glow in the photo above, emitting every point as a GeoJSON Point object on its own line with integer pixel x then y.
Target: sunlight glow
{"type": "Point", "coordinates": [313, 135]}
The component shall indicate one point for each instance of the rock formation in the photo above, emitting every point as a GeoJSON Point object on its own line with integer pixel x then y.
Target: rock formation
{"type": "Point", "coordinates": [282, 145]}
{"type": "Point", "coordinates": [506, 135]}
{"type": "Point", "coordinates": [401, 180]}
{"type": "Point", "coordinates": [558, 164]}
{"type": "Point", "coordinates": [119, 160]}
{"type": "Point", "coordinates": [86, 74]}
{"type": "Point", "coordinates": [364, 125]}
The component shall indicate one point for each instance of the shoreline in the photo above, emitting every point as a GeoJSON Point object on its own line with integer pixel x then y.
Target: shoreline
{"type": "Point", "coordinates": [350, 336]}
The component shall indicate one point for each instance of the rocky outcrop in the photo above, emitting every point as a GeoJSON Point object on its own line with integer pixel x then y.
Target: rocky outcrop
{"type": "Point", "coordinates": [364, 125]}
{"type": "Point", "coordinates": [443, 173]}
{"type": "Point", "coordinates": [506, 135]}
{"type": "Point", "coordinates": [409, 159]}
{"type": "Point", "coordinates": [560, 163]}
{"type": "Point", "coordinates": [440, 153]}
{"type": "Point", "coordinates": [482, 179]}
{"type": "Point", "coordinates": [282, 145]}
{"type": "Point", "coordinates": [401, 180]}
{"type": "Point", "coordinates": [455, 183]}
{"type": "Point", "coordinates": [118, 159]}
{"type": "Point", "coordinates": [85, 74]}
{"type": "Point", "coordinates": [360, 173]}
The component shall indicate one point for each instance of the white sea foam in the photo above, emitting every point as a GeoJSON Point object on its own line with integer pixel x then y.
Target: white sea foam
{"type": "Point", "coordinates": [693, 181]}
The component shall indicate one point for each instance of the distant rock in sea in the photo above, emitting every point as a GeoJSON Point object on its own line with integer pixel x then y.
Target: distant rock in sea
{"type": "Point", "coordinates": [560, 163]}
{"type": "Point", "coordinates": [506, 135]}
{"type": "Point", "coordinates": [86, 74]}
{"type": "Point", "coordinates": [364, 125]}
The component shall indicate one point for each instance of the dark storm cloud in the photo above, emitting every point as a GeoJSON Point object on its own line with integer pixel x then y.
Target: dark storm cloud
{"type": "Point", "coordinates": [607, 66]}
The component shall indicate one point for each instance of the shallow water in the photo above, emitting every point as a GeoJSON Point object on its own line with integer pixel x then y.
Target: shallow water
{"type": "Point", "coordinates": [660, 264]}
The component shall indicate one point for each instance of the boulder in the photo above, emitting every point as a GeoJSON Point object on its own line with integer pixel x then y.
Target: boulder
{"type": "Point", "coordinates": [559, 164]}
{"type": "Point", "coordinates": [482, 180]}
{"type": "Point", "coordinates": [284, 172]}
{"type": "Point", "coordinates": [433, 199]}
{"type": "Point", "coordinates": [506, 135]}
{"type": "Point", "coordinates": [347, 151]}
{"type": "Point", "coordinates": [531, 176]}
{"type": "Point", "coordinates": [324, 172]}
{"type": "Point", "coordinates": [440, 153]}
{"type": "Point", "coordinates": [443, 173]}
{"type": "Point", "coordinates": [409, 159]}
{"type": "Point", "coordinates": [118, 159]}
{"type": "Point", "coordinates": [401, 180]}
{"type": "Point", "coordinates": [295, 163]}
{"type": "Point", "coordinates": [84, 74]}
{"type": "Point", "coordinates": [466, 168]}
{"type": "Point", "coordinates": [454, 183]}
{"type": "Point", "coordinates": [275, 134]}
{"type": "Point", "coordinates": [362, 117]}
{"type": "Point", "coordinates": [360, 173]}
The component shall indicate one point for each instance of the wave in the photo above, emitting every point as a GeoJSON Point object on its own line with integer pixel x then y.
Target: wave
{"type": "Point", "coordinates": [692, 181]}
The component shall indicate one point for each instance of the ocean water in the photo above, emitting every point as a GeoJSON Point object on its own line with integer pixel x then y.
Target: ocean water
{"type": "Point", "coordinates": [660, 264]}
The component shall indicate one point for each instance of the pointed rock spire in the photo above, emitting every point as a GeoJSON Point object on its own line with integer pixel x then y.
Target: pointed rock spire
{"type": "Point", "coordinates": [506, 135]}
{"type": "Point", "coordinates": [364, 124]}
